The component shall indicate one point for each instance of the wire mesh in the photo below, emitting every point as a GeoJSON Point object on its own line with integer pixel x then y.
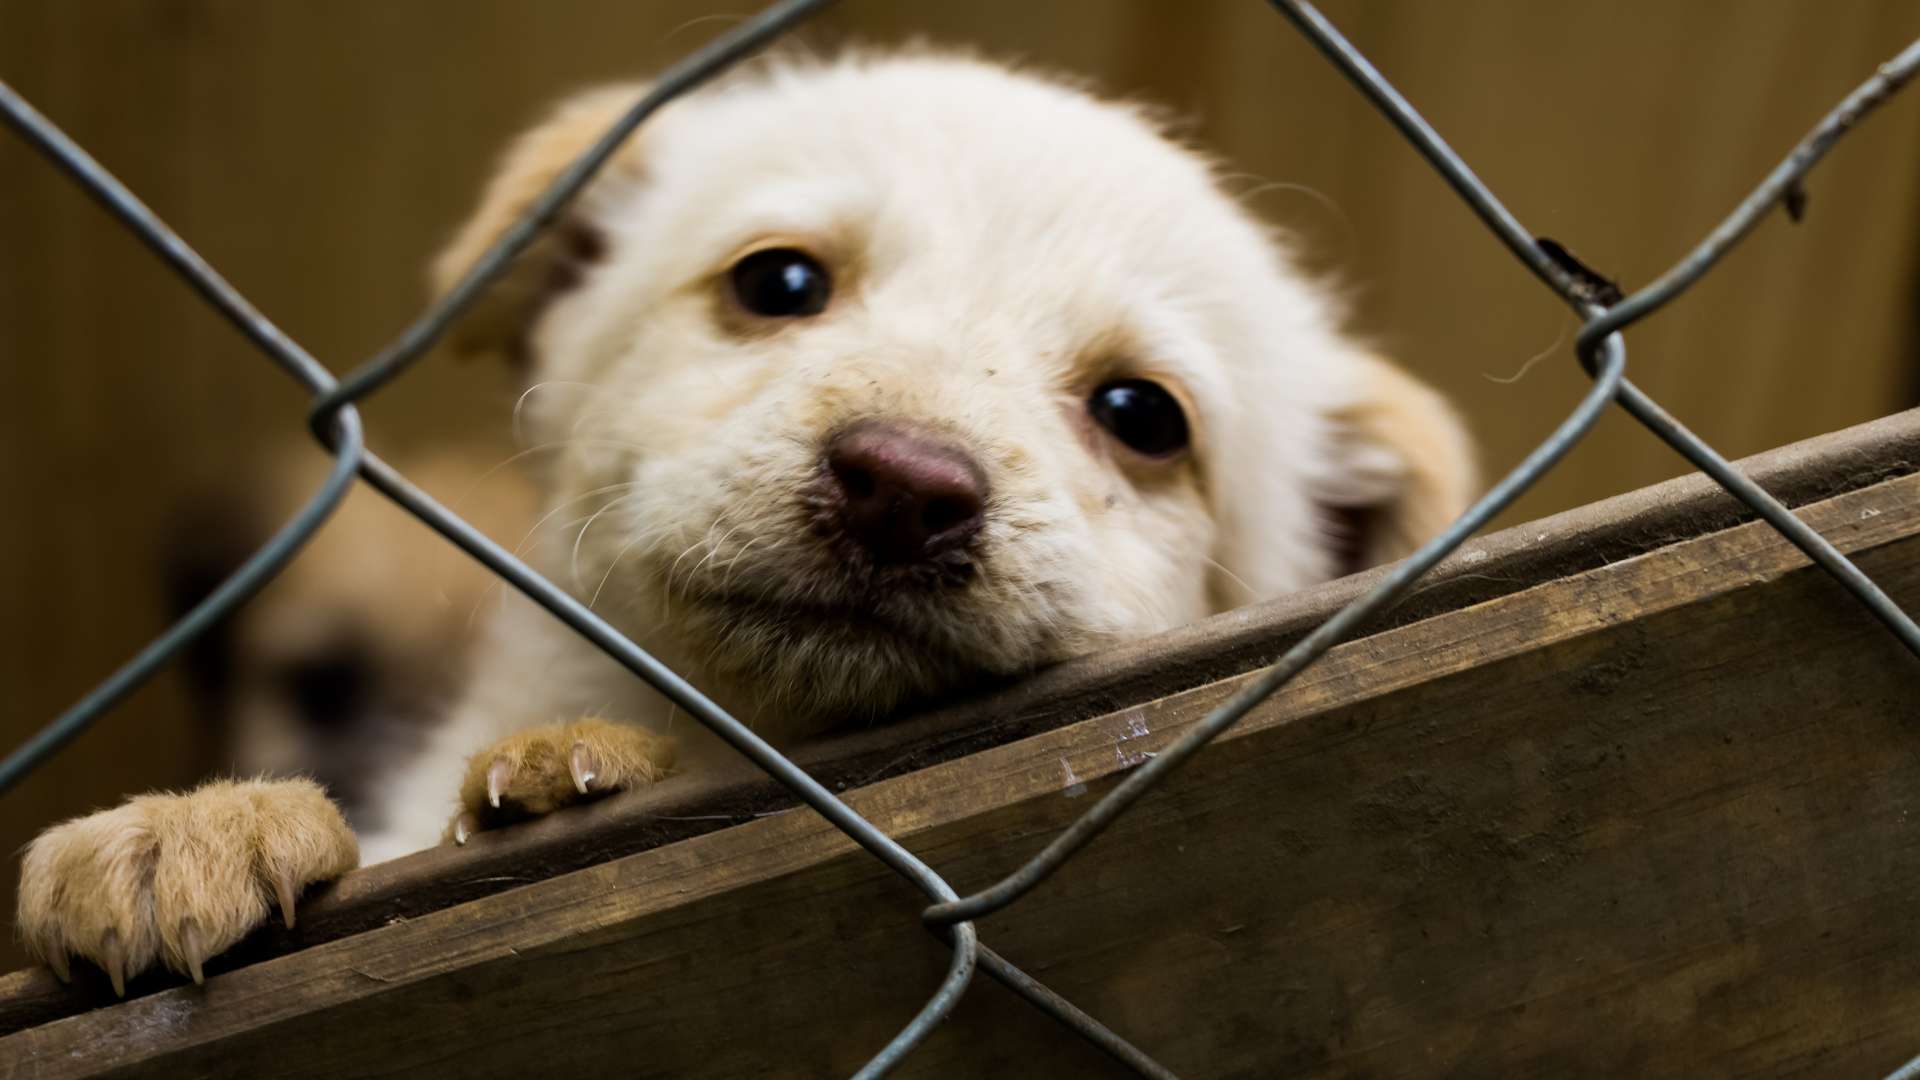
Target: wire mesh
{"type": "Point", "coordinates": [1599, 348]}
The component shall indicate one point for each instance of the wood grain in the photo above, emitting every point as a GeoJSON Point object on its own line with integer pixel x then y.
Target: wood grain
{"type": "Point", "coordinates": [1653, 817]}
{"type": "Point", "coordinates": [1213, 649]}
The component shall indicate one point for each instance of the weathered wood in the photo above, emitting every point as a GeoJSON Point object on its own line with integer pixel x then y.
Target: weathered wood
{"type": "Point", "coordinates": [1655, 816]}
{"type": "Point", "coordinates": [1231, 644]}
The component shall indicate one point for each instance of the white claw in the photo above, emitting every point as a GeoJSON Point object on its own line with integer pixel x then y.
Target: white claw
{"type": "Point", "coordinates": [283, 888]}
{"type": "Point", "coordinates": [57, 960]}
{"type": "Point", "coordinates": [191, 946]}
{"type": "Point", "coordinates": [114, 961]}
{"type": "Point", "coordinates": [498, 774]}
{"type": "Point", "coordinates": [580, 763]}
{"type": "Point", "coordinates": [462, 830]}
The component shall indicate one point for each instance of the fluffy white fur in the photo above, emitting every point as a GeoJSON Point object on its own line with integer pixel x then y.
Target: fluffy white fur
{"type": "Point", "coordinates": [1000, 245]}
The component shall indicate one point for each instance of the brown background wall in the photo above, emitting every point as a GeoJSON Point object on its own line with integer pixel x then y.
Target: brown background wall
{"type": "Point", "coordinates": [318, 151]}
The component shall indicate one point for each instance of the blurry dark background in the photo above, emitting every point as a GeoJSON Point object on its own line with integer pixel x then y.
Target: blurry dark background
{"type": "Point", "coordinates": [317, 151]}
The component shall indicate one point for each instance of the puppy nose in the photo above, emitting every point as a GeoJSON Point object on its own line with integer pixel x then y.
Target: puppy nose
{"type": "Point", "coordinates": [908, 495]}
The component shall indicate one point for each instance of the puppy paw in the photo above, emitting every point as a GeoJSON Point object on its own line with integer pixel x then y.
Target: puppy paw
{"type": "Point", "coordinates": [542, 769]}
{"type": "Point", "coordinates": [175, 879]}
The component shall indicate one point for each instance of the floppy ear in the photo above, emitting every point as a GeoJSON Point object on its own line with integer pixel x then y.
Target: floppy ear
{"type": "Point", "coordinates": [1403, 468]}
{"type": "Point", "coordinates": [498, 322]}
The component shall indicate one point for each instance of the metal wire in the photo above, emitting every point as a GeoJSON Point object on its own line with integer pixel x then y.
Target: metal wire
{"type": "Point", "coordinates": [702, 65]}
{"type": "Point", "coordinates": [1600, 330]}
{"type": "Point", "coordinates": [1599, 348]}
{"type": "Point", "coordinates": [337, 424]}
{"type": "Point", "coordinates": [1784, 179]}
{"type": "Point", "coordinates": [260, 567]}
{"type": "Point", "coordinates": [1296, 659]}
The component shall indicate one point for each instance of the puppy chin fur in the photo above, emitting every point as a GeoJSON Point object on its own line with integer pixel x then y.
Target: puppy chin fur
{"type": "Point", "coordinates": [1000, 245]}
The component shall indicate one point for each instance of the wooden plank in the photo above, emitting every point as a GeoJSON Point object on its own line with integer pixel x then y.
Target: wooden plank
{"type": "Point", "coordinates": [1655, 817]}
{"type": "Point", "coordinates": [1212, 649]}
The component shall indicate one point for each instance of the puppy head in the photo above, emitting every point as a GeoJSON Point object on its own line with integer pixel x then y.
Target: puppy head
{"type": "Point", "coordinates": [870, 377]}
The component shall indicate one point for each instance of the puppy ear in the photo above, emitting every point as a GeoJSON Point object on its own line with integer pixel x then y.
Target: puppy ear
{"type": "Point", "coordinates": [556, 261]}
{"type": "Point", "coordinates": [1403, 468]}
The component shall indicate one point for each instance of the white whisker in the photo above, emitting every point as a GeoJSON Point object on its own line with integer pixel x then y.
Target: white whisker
{"type": "Point", "coordinates": [726, 582]}
{"type": "Point", "coordinates": [1235, 578]}
{"type": "Point", "coordinates": [548, 516]}
{"type": "Point", "coordinates": [1535, 359]}
{"type": "Point", "coordinates": [561, 444]}
{"type": "Point", "coordinates": [573, 564]}
{"type": "Point", "coordinates": [1326, 201]}
{"type": "Point", "coordinates": [621, 554]}
{"type": "Point", "coordinates": [520, 402]}
{"type": "Point", "coordinates": [712, 550]}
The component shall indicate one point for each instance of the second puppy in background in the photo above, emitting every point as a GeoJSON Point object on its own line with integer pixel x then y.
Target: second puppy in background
{"type": "Point", "coordinates": [353, 654]}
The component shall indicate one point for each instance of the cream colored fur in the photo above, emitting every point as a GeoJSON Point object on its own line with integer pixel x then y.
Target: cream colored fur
{"type": "Point", "coordinates": [374, 579]}
{"type": "Point", "coordinates": [1000, 245]}
{"type": "Point", "coordinates": [175, 879]}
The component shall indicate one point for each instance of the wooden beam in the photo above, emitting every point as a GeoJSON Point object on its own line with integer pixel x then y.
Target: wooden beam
{"type": "Point", "coordinates": [1626, 790]}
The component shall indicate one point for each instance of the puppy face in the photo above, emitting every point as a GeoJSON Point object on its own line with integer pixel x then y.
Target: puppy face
{"type": "Point", "coordinates": [872, 377]}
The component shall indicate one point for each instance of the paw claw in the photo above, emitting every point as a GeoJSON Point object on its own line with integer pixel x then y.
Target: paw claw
{"type": "Point", "coordinates": [539, 770]}
{"type": "Point", "coordinates": [498, 774]}
{"type": "Point", "coordinates": [193, 948]}
{"type": "Point", "coordinates": [113, 959]}
{"type": "Point", "coordinates": [283, 889]}
{"type": "Point", "coordinates": [174, 880]}
{"type": "Point", "coordinates": [581, 765]}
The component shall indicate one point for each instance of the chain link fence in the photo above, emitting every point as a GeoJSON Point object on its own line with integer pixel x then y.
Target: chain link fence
{"type": "Point", "coordinates": [1599, 347]}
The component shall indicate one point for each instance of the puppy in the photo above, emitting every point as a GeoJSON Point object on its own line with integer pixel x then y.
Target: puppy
{"type": "Point", "coordinates": [346, 661]}
{"type": "Point", "coordinates": [861, 381]}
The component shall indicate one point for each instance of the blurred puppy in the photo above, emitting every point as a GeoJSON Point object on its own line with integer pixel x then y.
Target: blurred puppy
{"type": "Point", "coordinates": [342, 665]}
{"type": "Point", "coordinates": [864, 380]}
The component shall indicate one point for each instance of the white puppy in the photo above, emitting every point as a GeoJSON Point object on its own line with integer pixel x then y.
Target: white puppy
{"type": "Point", "coordinates": [864, 380]}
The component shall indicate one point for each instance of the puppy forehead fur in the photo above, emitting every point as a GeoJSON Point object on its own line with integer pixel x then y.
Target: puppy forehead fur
{"type": "Point", "coordinates": [1022, 214]}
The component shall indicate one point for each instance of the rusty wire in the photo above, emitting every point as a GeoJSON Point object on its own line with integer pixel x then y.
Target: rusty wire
{"type": "Point", "coordinates": [1598, 347]}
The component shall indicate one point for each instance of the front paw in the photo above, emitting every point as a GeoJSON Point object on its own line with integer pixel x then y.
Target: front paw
{"type": "Point", "coordinates": [176, 879]}
{"type": "Point", "coordinates": [540, 770]}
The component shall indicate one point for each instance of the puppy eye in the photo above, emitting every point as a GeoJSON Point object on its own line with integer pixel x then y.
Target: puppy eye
{"type": "Point", "coordinates": [1142, 415]}
{"type": "Point", "coordinates": [781, 283]}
